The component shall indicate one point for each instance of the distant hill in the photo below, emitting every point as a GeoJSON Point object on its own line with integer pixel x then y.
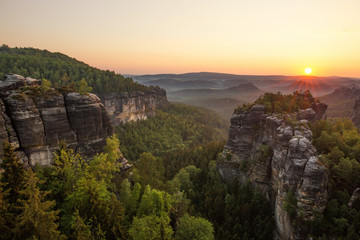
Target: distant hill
{"type": "Point", "coordinates": [271, 83]}
{"type": "Point", "coordinates": [223, 106]}
{"type": "Point", "coordinates": [341, 101]}
{"type": "Point", "coordinates": [237, 92]}
{"type": "Point", "coordinates": [208, 76]}
{"type": "Point", "coordinates": [223, 101]}
{"type": "Point", "coordinates": [173, 84]}
{"type": "Point", "coordinates": [62, 70]}
{"type": "Point", "coordinates": [207, 89]}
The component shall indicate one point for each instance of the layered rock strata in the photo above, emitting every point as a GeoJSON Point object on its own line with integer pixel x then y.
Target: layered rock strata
{"type": "Point", "coordinates": [275, 154]}
{"type": "Point", "coordinates": [36, 121]}
{"type": "Point", "coordinates": [125, 107]}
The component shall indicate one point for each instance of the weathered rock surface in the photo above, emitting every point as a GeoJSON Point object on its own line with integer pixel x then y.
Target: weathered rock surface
{"type": "Point", "coordinates": [354, 201]}
{"type": "Point", "coordinates": [36, 123]}
{"type": "Point", "coordinates": [279, 158]}
{"type": "Point", "coordinates": [12, 82]}
{"type": "Point", "coordinates": [319, 109]}
{"type": "Point", "coordinates": [356, 117]}
{"type": "Point", "coordinates": [125, 107]}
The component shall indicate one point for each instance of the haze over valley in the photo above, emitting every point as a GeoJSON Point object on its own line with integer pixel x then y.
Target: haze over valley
{"type": "Point", "coordinates": [223, 92]}
{"type": "Point", "coordinates": [180, 120]}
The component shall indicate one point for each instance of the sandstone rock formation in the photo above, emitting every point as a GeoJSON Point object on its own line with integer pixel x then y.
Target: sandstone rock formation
{"type": "Point", "coordinates": [36, 122]}
{"type": "Point", "coordinates": [275, 153]}
{"type": "Point", "coordinates": [355, 199]}
{"type": "Point", "coordinates": [356, 117]}
{"type": "Point", "coordinates": [125, 107]}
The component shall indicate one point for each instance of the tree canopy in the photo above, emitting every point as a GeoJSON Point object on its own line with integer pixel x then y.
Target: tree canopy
{"type": "Point", "coordinates": [61, 70]}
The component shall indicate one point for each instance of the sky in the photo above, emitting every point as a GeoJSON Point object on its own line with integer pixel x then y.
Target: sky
{"type": "Point", "coordinates": [262, 37]}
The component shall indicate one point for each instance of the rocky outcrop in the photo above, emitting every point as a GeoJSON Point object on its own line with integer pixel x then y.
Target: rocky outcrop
{"type": "Point", "coordinates": [125, 107]}
{"type": "Point", "coordinates": [274, 152]}
{"type": "Point", "coordinates": [356, 117]}
{"type": "Point", "coordinates": [354, 201]}
{"type": "Point", "coordinates": [36, 121]}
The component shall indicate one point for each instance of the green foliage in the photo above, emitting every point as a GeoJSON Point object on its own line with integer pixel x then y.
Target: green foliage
{"type": "Point", "coordinates": [104, 166]}
{"type": "Point", "coordinates": [86, 189]}
{"type": "Point", "coordinates": [198, 156]}
{"type": "Point", "coordinates": [36, 220]}
{"type": "Point", "coordinates": [81, 231]}
{"type": "Point", "coordinates": [152, 221]}
{"type": "Point", "coordinates": [194, 228]}
{"type": "Point", "coordinates": [174, 126]}
{"type": "Point", "coordinates": [154, 202]}
{"type": "Point", "coordinates": [151, 227]}
{"type": "Point", "coordinates": [338, 141]}
{"type": "Point", "coordinates": [151, 170]}
{"type": "Point", "coordinates": [62, 70]}
{"type": "Point", "coordinates": [183, 180]}
{"type": "Point", "coordinates": [282, 103]}
{"type": "Point", "coordinates": [83, 87]}
{"type": "Point", "coordinates": [229, 207]}
{"type": "Point", "coordinates": [12, 184]}
{"type": "Point", "coordinates": [13, 174]}
{"type": "Point", "coordinates": [175, 176]}
{"type": "Point", "coordinates": [45, 85]}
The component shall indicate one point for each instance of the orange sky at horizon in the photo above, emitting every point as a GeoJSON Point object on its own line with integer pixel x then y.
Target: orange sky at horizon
{"type": "Point", "coordinates": [259, 37]}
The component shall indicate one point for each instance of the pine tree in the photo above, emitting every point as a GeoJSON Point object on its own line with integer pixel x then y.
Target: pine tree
{"type": "Point", "coordinates": [36, 220]}
{"type": "Point", "coordinates": [13, 175]}
{"type": "Point", "coordinates": [81, 231]}
{"type": "Point", "coordinates": [12, 180]}
{"type": "Point", "coordinates": [5, 229]}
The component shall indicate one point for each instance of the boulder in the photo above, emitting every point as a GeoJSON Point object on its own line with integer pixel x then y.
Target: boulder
{"type": "Point", "coordinates": [12, 82]}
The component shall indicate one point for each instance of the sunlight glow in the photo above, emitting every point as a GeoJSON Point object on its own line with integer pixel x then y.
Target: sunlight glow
{"type": "Point", "coordinates": [308, 70]}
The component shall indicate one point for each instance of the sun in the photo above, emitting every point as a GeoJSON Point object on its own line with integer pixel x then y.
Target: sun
{"type": "Point", "coordinates": [308, 70]}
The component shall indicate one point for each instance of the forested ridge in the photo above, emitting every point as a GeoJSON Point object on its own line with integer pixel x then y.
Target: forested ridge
{"type": "Point", "coordinates": [62, 70]}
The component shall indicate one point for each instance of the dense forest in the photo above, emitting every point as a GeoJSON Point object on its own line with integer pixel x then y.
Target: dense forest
{"type": "Point", "coordinates": [175, 126]}
{"type": "Point", "coordinates": [62, 70]}
{"type": "Point", "coordinates": [338, 140]}
{"type": "Point", "coordinates": [174, 190]}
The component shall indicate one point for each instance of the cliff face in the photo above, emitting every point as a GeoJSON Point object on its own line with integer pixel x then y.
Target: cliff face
{"type": "Point", "coordinates": [356, 117]}
{"type": "Point", "coordinates": [277, 156]}
{"type": "Point", "coordinates": [125, 107]}
{"type": "Point", "coordinates": [35, 123]}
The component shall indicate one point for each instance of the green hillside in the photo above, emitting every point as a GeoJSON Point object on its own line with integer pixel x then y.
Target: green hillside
{"type": "Point", "coordinates": [62, 70]}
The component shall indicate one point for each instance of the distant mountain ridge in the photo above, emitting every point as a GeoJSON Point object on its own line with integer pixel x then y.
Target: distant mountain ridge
{"type": "Point", "coordinates": [271, 83]}
{"type": "Point", "coordinates": [205, 88]}
{"type": "Point", "coordinates": [232, 92]}
{"type": "Point", "coordinates": [341, 100]}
